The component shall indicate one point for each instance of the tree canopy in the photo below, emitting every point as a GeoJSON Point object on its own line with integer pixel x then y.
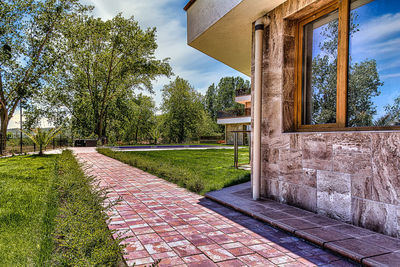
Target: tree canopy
{"type": "Point", "coordinates": [222, 96]}
{"type": "Point", "coordinates": [184, 113]}
{"type": "Point", "coordinates": [108, 60]}
{"type": "Point", "coordinates": [32, 41]}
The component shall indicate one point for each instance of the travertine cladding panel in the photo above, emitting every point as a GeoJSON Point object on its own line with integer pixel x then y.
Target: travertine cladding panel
{"type": "Point", "coordinates": [351, 176]}
{"type": "Point", "coordinates": [334, 194]}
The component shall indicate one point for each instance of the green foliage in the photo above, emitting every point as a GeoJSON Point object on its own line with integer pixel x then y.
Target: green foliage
{"type": "Point", "coordinates": [392, 116]}
{"type": "Point", "coordinates": [140, 121]}
{"type": "Point", "coordinates": [25, 184]}
{"type": "Point", "coordinates": [109, 60]}
{"type": "Point", "coordinates": [199, 171]}
{"type": "Point", "coordinates": [222, 96]}
{"type": "Point", "coordinates": [42, 137]}
{"type": "Point", "coordinates": [184, 113]}
{"type": "Point", "coordinates": [227, 87]}
{"type": "Point", "coordinates": [33, 41]}
{"type": "Point", "coordinates": [210, 101]}
{"type": "Point", "coordinates": [81, 234]}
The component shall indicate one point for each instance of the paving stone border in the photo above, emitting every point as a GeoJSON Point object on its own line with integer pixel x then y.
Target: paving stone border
{"type": "Point", "coordinates": [358, 244]}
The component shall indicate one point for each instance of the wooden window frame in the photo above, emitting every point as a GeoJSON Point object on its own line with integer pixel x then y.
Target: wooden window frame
{"type": "Point", "coordinates": [343, 7]}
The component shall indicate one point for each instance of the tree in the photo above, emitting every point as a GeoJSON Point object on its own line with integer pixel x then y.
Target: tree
{"type": "Point", "coordinates": [210, 101]}
{"type": "Point", "coordinates": [141, 120]}
{"type": "Point", "coordinates": [108, 59]}
{"type": "Point", "coordinates": [227, 88]}
{"type": "Point", "coordinates": [183, 110]}
{"type": "Point", "coordinates": [222, 96]}
{"type": "Point", "coordinates": [392, 116]}
{"type": "Point", "coordinates": [32, 41]}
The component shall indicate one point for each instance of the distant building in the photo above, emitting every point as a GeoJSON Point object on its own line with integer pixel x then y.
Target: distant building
{"type": "Point", "coordinates": [237, 119]}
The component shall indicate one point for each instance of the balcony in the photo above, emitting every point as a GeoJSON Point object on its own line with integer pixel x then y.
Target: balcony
{"type": "Point", "coordinates": [243, 95]}
{"type": "Point", "coordinates": [234, 116]}
{"type": "Point", "coordinates": [243, 91]}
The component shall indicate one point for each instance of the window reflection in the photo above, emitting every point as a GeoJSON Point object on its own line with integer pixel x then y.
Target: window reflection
{"type": "Point", "coordinates": [374, 64]}
{"type": "Point", "coordinates": [320, 42]}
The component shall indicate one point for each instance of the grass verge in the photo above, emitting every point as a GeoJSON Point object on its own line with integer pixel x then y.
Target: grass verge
{"type": "Point", "coordinates": [51, 213]}
{"type": "Point", "coordinates": [81, 234]}
{"type": "Point", "coordinates": [199, 171]}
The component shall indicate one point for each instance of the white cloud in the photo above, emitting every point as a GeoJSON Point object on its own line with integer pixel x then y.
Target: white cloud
{"type": "Point", "coordinates": [391, 75]}
{"type": "Point", "coordinates": [377, 29]}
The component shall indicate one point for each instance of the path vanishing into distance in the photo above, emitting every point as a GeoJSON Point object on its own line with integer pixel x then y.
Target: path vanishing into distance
{"type": "Point", "coordinates": [168, 223]}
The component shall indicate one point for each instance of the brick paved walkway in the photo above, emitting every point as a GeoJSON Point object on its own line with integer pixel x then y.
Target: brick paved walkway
{"type": "Point", "coordinates": [184, 229]}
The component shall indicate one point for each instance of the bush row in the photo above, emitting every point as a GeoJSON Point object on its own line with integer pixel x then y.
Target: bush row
{"type": "Point", "coordinates": [80, 234]}
{"type": "Point", "coordinates": [180, 176]}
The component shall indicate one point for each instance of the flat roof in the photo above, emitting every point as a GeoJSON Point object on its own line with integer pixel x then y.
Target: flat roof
{"type": "Point", "coordinates": [189, 4]}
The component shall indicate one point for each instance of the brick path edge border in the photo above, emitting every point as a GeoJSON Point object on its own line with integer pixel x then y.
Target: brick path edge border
{"type": "Point", "coordinates": [276, 225]}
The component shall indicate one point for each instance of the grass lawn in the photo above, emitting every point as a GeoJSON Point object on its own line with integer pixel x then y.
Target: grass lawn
{"type": "Point", "coordinates": [25, 182]}
{"type": "Point", "coordinates": [52, 215]}
{"type": "Point", "coordinates": [200, 171]}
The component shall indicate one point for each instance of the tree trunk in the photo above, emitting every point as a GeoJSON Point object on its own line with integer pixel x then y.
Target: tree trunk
{"type": "Point", "coordinates": [136, 133]}
{"type": "Point", "coordinates": [40, 150]}
{"type": "Point", "coordinates": [100, 128]}
{"type": "Point", "coordinates": [4, 124]}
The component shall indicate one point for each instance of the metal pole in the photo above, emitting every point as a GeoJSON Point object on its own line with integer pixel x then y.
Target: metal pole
{"type": "Point", "coordinates": [235, 154]}
{"type": "Point", "coordinates": [20, 120]}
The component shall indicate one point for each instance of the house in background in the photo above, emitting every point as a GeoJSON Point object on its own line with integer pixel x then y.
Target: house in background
{"type": "Point", "coordinates": [325, 99]}
{"type": "Point", "coordinates": [237, 119]}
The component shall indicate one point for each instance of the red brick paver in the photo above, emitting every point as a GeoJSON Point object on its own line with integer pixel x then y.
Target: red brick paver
{"type": "Point", "coordinates": [181, 228]}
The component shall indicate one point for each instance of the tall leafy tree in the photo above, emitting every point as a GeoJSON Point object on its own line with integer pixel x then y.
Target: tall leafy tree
{"type": "Point", "coordinates": [210, 101]}
{"type": "Point", "coordinates": [183, 110]}
{"type": "Point", "coordinates": [32, 40]}
{"type": "Point", "coordinates": [141, 120]}
{"type": "Point", "coordinates": [222, 96]}
{"type": "Point", "coordinates": [227, 87]}
{"type": "Point", "coordinates": [108, 59]}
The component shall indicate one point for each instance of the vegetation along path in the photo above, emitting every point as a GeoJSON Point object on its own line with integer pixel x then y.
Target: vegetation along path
{"type": "Point", "coordinates": [179, 227]}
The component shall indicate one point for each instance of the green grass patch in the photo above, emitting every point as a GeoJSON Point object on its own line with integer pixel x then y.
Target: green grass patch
{"type": "Point", "coordinates": [200, 171]}
{"type": "Point", "coordinates": [81, 234]}
{"type": "Point", "coordinates": [25, 184]}
{"type": "Point", "coordinates": [51, 214]}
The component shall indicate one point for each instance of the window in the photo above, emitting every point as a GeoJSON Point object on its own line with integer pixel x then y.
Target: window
{"type": "Point", "coordinates": [348, 66]}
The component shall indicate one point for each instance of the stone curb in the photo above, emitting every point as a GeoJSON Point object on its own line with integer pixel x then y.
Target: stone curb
{"type": "Point", "coordinates": [378, 256]}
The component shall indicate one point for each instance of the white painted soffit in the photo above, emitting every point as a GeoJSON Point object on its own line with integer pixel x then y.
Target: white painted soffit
{"type": "Point", "coordinates": [222, 29]}
{"type": "Point", "coordinates": [243, 99]}
{"type": "Point", "coordinates": [235, 120]}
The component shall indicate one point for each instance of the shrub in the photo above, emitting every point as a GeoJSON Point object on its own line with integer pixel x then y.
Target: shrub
{"type": "Point", "coordinates": [81, 234]}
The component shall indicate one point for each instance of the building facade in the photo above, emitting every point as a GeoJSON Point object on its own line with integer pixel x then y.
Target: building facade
{"type": "Point", "coordinates": [238, 120]}
{"type": "Point", "coordinates": [324, 75]}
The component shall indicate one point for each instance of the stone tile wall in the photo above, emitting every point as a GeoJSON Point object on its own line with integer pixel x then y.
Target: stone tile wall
{"type": "Point", "coordinates": [350, 176]}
